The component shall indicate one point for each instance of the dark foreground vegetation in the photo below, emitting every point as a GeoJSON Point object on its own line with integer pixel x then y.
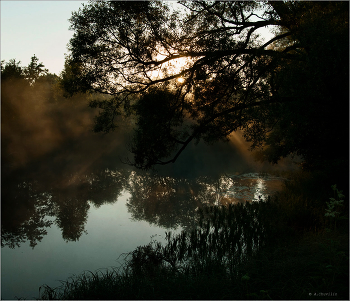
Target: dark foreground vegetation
{"type": "Point", "coordinates": [294, 246]}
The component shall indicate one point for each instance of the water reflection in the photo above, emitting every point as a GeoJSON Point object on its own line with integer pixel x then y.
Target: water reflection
{"type": "Point", "coordinates": [167, 201]}
{"type": "Point", "coordinates": [250, 187]}
{"type": "Point", "coordinates": [32, 205]}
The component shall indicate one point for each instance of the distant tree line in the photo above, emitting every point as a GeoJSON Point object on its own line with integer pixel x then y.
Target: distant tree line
{"type": "Point", "coordinates": [33, 72]}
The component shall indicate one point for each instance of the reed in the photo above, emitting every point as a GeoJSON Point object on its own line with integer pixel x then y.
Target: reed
{"type": "Point", "coordinates": [244, 251]}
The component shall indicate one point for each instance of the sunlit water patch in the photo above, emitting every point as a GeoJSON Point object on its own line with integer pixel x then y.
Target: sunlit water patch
{"type": "Point", "coordinates": [249, 187]}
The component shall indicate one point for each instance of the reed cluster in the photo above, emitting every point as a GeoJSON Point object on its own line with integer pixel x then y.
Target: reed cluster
{"type": "Point", "coordinates": [258, 250]}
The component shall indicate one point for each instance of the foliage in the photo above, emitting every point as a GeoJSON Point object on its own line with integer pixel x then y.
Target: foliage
{"type": "Point", "coordinates": [230, 79]}
{"type": "Point", "coordinates": [334, 205]}
{"type": "Point", "coordinates": [11, 69]}
{"type": "Point", "coordinates": [156, 133]}
{"type": "Point", "coordinates": [34, 70]}
{"type": "Point", "coordinates": [314, 86]}
{"type": "Point", "coordinates": [302, 201]}
{"type": "Point", "coordinates": [31, 73]}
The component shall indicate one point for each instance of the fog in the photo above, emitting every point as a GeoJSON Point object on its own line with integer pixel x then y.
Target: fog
{"type": "Point", "coordinates": [40, 128]}
{"type": "Point", "coordinates": [44, 132]}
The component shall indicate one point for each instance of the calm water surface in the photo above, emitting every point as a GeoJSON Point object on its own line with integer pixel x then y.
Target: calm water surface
{"type": "Point", "coordinates": [91, 220]}
{"type": "Point", "coordinates": [73, 206]}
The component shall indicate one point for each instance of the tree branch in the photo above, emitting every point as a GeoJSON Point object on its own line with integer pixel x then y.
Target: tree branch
{"type": "Point", "coordinates": [202, 126]}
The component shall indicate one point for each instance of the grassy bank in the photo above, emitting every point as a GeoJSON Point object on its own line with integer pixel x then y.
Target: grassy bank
{"type": "Point", "coordinates": [285, 248]}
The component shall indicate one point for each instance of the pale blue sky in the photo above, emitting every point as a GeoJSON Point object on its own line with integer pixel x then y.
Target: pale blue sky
{"type": "Point", "coordinates": [36, 27]}
{"type": "Point", "coordinates": [40, 28]}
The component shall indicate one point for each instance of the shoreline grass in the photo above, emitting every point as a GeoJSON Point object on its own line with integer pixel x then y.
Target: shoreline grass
{"type": "Point", "coordinates": [314, 267]}
{"type": "Point", "coordinates": [284, 248]}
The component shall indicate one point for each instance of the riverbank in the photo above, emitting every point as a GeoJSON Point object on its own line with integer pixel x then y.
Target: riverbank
{"type": "Point", "coordinates": [285, 248]}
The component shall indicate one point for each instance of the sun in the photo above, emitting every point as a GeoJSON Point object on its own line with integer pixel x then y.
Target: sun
{"type": "Point", "coordinates": [170, 68]}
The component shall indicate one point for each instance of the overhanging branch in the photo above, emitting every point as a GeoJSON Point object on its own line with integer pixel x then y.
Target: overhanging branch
{"type": "Point", "coordinates": [202, 126]}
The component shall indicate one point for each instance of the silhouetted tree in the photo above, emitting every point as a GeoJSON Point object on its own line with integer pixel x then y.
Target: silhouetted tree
{"type": "Point", "coordinates": [11, 70]}
{"type": "Point", "coordinates": [34, 70]}
{"type": "Point", "coordinates": [286, 93]}
{"type": "Point", "coordinates": [31, 73]}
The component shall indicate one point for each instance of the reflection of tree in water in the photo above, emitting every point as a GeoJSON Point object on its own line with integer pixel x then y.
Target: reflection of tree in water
{"type": "Point", "coordinates": [73, 201]}
{"type": "Point", "coordinates": [23, 212]}
{"type": "Point", "coordinates": [171, 202]}
{"type": "Point", "coordinates": [27, 204]}
{"type": "Point", "coordinates": [32, 202]}
{"type": "Point", "coordinates": [72, 217]}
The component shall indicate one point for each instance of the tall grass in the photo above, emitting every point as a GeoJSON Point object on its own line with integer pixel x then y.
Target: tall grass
{"type": "Point", "coordinates": [278, 249]}
{"type": "Point", "coordinates": [226, 235]}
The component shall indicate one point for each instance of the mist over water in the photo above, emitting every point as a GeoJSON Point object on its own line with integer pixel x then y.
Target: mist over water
{"type": "Point", "coordinates": [57, 176]}
{"type": "Point", "coordinates": [43, 131]}
{"type": "Point", "coordinates": [36, 127]}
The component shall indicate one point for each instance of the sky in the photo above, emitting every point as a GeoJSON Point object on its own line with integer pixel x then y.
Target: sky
{"type": "Point", "coordinates": [36, 27]}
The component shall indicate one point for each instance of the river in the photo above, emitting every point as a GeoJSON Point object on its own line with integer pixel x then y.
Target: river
{"type": "Point", "coordinates": [59, 220]}
{"type": "Point", "coordinates": [69, 204]}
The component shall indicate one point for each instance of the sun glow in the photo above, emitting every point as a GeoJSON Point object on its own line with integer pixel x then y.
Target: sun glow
{"type": "Point", "coordinates": [170, 68]}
